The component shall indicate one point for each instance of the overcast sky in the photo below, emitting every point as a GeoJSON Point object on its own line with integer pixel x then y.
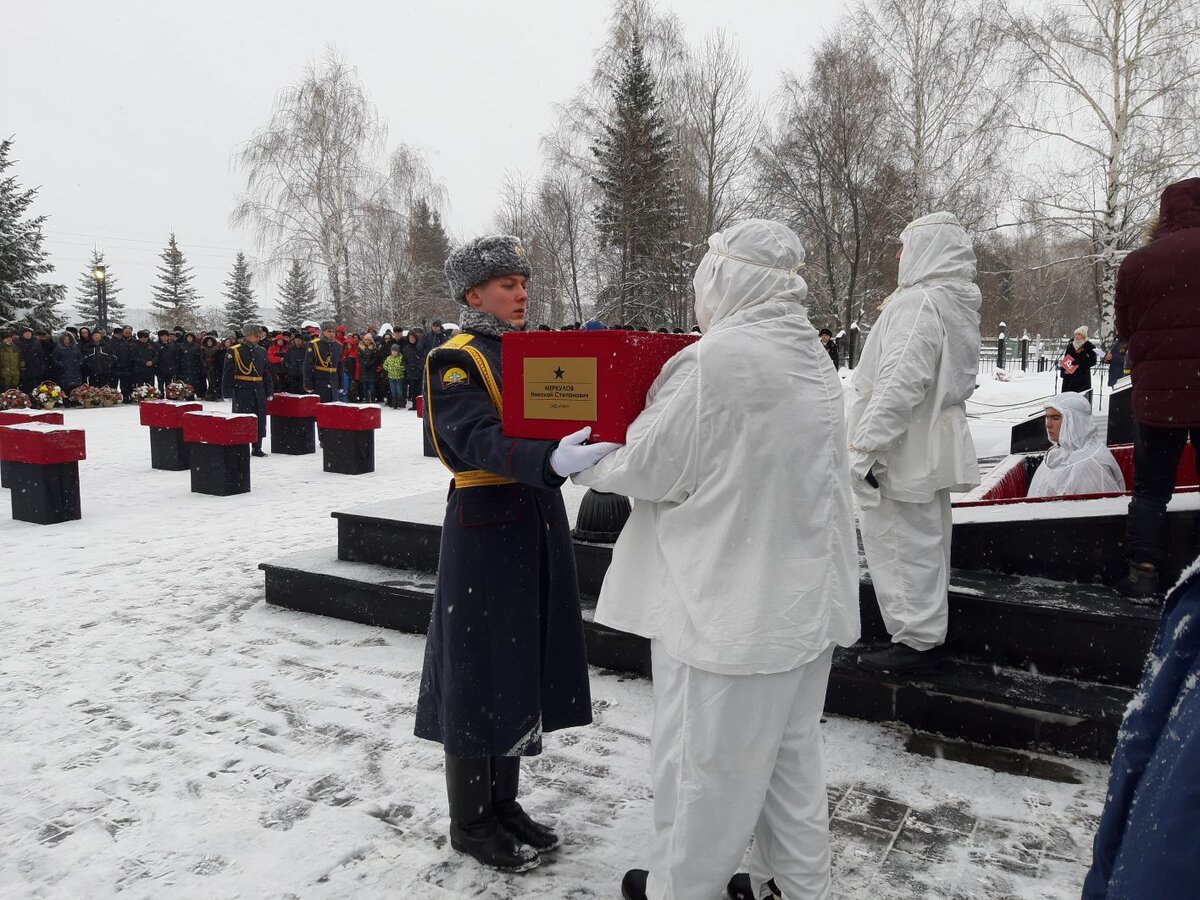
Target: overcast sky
{"type": "Point", "coordinates": [126, 113]}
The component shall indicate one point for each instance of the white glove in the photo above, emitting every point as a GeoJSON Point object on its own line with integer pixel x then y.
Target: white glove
{"type": "Point", "coordinates": [573, 456]}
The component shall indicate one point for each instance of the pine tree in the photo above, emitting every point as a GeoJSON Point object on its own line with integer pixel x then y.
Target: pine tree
{"type": "Point", "coordinates": [24, 298]}
{"type": "Point", "coordinates": [640, 212]}
{"type": "Point", "coordinates": [174, 299]}
{"type": "Point", "coordinates": [428, 248]}
{"type": "Point", "coordinates": [87, 306]}
{"type": "Point", "coordinates": [298, 297]}
{"type": "Point", "coordinates": [241, 307]}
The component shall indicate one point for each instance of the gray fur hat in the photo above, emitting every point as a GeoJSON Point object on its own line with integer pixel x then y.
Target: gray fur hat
{"type": "Point", "coordinates": [482, 259]}
{"type": "Point", "coordinates": [329, 325]}
{"type": "Point", "coordinates": [252, 328]}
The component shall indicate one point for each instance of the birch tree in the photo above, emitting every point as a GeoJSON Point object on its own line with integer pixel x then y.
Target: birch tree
{"type": "Point", "coordinates": [1112, 119]}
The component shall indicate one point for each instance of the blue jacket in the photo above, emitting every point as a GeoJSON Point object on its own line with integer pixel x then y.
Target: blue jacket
{"type": "Point", "coordinates": [1148, 841]}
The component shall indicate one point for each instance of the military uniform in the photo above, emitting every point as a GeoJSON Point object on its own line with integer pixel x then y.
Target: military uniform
{"type": "Point", "coordinates": [247, 379]}
{"type": "Point", "coordinates": [323, 368]}
{"type": "Point", "coordinates": [505, 659]}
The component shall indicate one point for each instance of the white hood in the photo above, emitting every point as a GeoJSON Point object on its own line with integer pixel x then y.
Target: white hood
{"type": "Point", "coordinates": [1080, 463]}
{"type": "Point", "coordinates": [747, 265]}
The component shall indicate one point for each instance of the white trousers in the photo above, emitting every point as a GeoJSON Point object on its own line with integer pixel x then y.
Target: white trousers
{"type": "Point", "coordinates": [908, 554]}
{"type": "Point", "coordinates": [733, 756]}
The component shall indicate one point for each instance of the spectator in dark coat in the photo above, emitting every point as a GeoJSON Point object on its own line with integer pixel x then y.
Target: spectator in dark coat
{"type": "Point", "coordinates": [1158, 312]}
{"type": "Point", "coordinates": [168, 360]}
{"type": "Point", "coordinates": [1148, 840]}
{"type": "Point", "coordinates": [414, 365]}
{"type": "Point", "coordinates": [191, 366]}
{"type": "Point", "coordinates": [122, 348]}
{"type": "Point", "coordinates": [99, 364]}
{"type": "Point", "coordinates": [830, 345]}
{"type": "Point", "coordinates": [143, 357]}
{"type": "Point", "coordinates": [1076, 364]}
{"type": "Point", "coordinates": [1115, 358]}
{"type": "Point", "coordinates": [368, 366]}
{"type": "Point", "coordinates": [68, 363]}
{"type": "Point", "coordinates": [34, 361]}
{"type": "Point", "coordinates": [293, 365]}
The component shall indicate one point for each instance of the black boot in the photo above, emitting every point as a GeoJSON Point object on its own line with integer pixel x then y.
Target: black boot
{"type": "Point", "coordinates": [899, 659]}
{"type": "Point", "coordinates": [1141, 584]}
{"type": "Point", "coordinates": [474, 829]}
{"type": "Point", "coordinates": [739, 889]}
{"type": "Point", "coordinates": [633, 885]}
{"type": "Point", "coordinates": [506, 776]}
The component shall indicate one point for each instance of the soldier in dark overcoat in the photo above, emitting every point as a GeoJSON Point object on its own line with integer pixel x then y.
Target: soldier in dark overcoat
{"type": "Point", "coordinates": [247, 379]}
{"type": "Point", "coordinates": [323, 364]}
{"type": "Point", "coordinates": [505, 660]}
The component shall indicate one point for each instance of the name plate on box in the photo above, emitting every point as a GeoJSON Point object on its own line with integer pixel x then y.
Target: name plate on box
{"type": "Point", "coordinates": [560, 388]}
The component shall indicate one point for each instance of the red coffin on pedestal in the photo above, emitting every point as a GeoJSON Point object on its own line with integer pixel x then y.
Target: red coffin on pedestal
{"type": "Point", "coordinates": [348, 417]}
{"type": "Point", "coordinates": [41, 443]}
{"type": "Point", "coordinates": [165, 413]}
{"type": "Point", "coordinates": [556, 382]}
{"type": "Point", "coordinates": [223, 429]}
{"type": "Point", "coordinates": [293, 406]}
{"type": "Point", "coordinates": [21, 416]}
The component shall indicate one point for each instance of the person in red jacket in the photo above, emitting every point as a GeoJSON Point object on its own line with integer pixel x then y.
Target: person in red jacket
{"type": "Point", "coordinates": [275, 351]}
{"type": "Point", "coordinates": [349, 363]}
{"type": "Point", "coordinates": [1158, 313]}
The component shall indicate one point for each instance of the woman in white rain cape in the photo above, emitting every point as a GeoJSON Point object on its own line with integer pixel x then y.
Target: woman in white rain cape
{"type": "Point", "coordinates": [909, 441]}
{"type": "Point", "coordinates": [739, 563]}
{"type": "Point", "coordinates": [1079, 462]}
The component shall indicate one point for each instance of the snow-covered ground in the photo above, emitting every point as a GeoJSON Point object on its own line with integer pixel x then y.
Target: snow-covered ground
{"type": "Point", "coordinates": [164, 733]}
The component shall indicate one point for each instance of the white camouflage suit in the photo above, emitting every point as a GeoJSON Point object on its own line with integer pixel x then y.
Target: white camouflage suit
{"type": "Point", "coordinates": [908, 427]}
{"type": "Point", "coordinates": [739, 563]}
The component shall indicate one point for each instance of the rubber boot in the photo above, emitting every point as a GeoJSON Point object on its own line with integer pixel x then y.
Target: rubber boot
{"type": "Point", "coordinates": [474, 829]}
{"type": "Point", "coordinates": [506, 777]}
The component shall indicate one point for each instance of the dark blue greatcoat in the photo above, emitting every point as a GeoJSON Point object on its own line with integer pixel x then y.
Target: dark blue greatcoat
{"type": "Point", "coordinates": [1148, 841]}
{"type": "Point", "coordinates": [249, 396]}
{"type": "Point", "coordinates": [322, 353]}
{"type": "Point", "coordinates": [505, 659]}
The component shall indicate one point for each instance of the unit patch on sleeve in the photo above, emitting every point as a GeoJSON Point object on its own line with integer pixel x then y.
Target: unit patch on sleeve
{"type": "Point", "coordinates": [454, 376]}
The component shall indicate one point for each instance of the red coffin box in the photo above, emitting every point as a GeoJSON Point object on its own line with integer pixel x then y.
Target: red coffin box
{"type": "Point", "coordinates": [556, 382]}
{"type": "Point", "coordinates": [293, 406]}
{"type": "Point", "coordinates": [348, 417]}
{"type": "Point", "coordinates": [165, 413]}
{"type": "Point", "coordinates": [224, 429]}
{"type": "Point", "coordinates": [21, 416]}
{"type": "Point", "coordinates": [41, 443]}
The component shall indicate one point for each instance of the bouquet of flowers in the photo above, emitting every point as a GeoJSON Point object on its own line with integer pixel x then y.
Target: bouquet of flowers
{"type": "Point", "coordinates": [108, 396]}
{"type": "Point", "coordinates": [85, 395]}
{"type": "Point", "coordinates": [14, 399]}
{"type": "Point", "coordinates": [178, 390]}
{"type": "Point", "coordinates": [144, 392]}
{"type": "Point", "coordinates": [48, 395]}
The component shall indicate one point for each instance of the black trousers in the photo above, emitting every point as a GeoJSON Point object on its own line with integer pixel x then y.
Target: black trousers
{"type": "Point", "coordinates": [1156, 453]}
{"type": "Point", "coordinates": [413, 390]}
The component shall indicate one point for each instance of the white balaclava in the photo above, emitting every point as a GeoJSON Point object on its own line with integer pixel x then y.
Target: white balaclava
{"type": "Point", "coordinates": [746, 265]}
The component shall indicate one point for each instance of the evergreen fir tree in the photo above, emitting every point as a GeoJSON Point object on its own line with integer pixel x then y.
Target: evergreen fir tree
{"type": "Point", "coordinates": [87, 305]}
{"type": "Point", "coordinates": [174, 299]}
{"type": "Point", "coordinates": [428, 248]}
{"type": "Point", "coordinates": [298, 297]}
{"type": "Point", "coordinates": [241, 307]}
{"type": "Point", "coordinates": [640, 212]}
{"type": "Point", "coordinates": [24, 298]}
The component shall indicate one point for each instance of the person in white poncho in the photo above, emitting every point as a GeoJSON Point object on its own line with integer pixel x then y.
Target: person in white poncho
{"type": "Point", "coordinates": [739, 563]}
{"type": "Point", "coordinates": [909, 441]}
{"type": "Point", "coordinates": [1079, 462]}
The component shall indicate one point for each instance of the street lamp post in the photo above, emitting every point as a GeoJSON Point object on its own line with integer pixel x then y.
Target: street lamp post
{"type": "Point", "coordinates": [100, 273]}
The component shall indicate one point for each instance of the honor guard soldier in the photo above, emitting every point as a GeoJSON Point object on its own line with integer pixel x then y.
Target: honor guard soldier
{"type": "Point", "coordinates": [505, 660]}
{"type": "Point", "coordinates": [247, 379]}
{"type": "Point", "coordinates": [323, 364]}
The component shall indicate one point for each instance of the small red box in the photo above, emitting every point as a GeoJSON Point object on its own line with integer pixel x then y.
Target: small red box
{"type": "Point", "coordinates": [556, 382]}
{"type": "Point", "coordinates": [348, 417]}
{"type": "Point", "coordinates": [41, 443]}
{"type": "Point", "coordinates": [223, 429]}
{"type": "Point", "coordinates": [293, 406]}
{"type": "Point", "coordinates": [165, 413]}
{"type": "Point", "coordinates": [21, 416]}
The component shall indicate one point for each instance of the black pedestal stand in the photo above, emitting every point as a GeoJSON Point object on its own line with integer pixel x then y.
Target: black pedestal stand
{"type": "Point", "coordinates": [44, 494]}
{"type": "Point", "coordinates": [293, 436]}
{"type": "Point", "coordinates": [348, 452]}
{"type": "Point", "coordinates": [168, 449]}
{"type": "Point", "coordinates": [220, 470]}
